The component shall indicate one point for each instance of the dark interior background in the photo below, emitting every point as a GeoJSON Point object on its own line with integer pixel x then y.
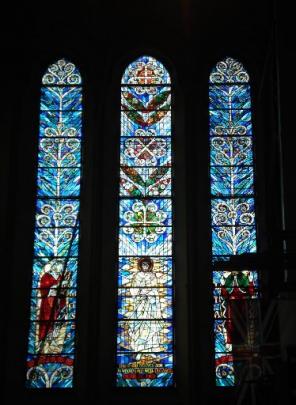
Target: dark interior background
{"type": "Point", "coordinates": [189, 37]}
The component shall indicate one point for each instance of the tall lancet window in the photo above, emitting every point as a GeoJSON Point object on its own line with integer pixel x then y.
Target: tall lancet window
{"type": "Point", "coordinates": [51, 346]}
{"type": "Point", "coordinates": [145, 290]}
{"type": "Point", "coordinates": [233, 219]}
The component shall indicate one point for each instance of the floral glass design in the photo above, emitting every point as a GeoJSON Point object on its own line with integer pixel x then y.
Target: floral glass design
{"type": "Point", "coordinates": [145, 289]}
{"type": "Point", "coordinates": [233, 218]}
{"type": "Point", "coordinates": [51, 346]}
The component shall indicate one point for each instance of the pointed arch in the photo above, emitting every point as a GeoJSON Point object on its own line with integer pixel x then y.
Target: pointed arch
{"type": "Point", "coordinates": [51, 346]}
{"type": "Point", "coordinates": [233, 217]}
{"type": "Point", "coordinates": [145, 287]}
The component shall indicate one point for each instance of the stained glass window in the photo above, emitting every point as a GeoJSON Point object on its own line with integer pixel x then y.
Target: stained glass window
{"type": "Point", "coordinates": [51, 347]}
{"type": "Point", "coordinates": [145, 289]}
{"type": "Point", "coordinates": [233, 217]}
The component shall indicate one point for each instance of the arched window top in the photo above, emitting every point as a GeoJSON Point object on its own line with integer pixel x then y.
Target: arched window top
{"type": "Point", "coordinates": [146, 70]}
{"type": "Point", "coordinates": [145, 349]}
{"type": "Point", "coordinates": [229, 71]}
{"type": "Point", "coordinates": [51, 340]}
{"type": "Point", "coordinates": [233, 219]}
{"type": "Point", "coordinates": [63, 73]}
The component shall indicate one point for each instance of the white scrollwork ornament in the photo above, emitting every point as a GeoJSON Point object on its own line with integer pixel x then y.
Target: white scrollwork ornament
{"type": "Point", "coordinates": [38, 376]}
{"type": "Point", "coordinates": [61, 72]}
{"type": "Point", "coordinates": [229, 71]}
{"type": "Point", "coordinates": [144, 222]}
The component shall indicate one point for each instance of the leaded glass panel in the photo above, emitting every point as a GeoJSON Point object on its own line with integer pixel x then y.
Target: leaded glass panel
{"type": "Point", "coordinates": [232, 216]}
{"type": "Point", "coordinates": [145, 338]}
{"type": "Point", "coordinates": [51, 346]}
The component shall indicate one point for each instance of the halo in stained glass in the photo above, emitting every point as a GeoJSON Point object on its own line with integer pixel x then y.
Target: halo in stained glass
{"type": "Point", "coordinates": [145, 289]}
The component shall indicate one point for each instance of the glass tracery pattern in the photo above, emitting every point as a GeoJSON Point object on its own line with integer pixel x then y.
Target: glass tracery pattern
{"type": "Point", "coordinates": [51, 347]}
{"type": "Point", "coordinates": [232, 217]}
{"type": "Point", "coordinates": [145, 290]}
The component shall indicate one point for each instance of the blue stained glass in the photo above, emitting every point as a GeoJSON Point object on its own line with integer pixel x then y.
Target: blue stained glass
{"type": "Point", "coordinates": [150, 213]}
{"type": "Point", "coordinates": [51, 337]}
{"type": "Point", "coordinates": [230, 122]}
{"type": "Point", "coordinates": [145, 336]}
{"type": "Point", "coordinates": [145, 307]}
{"type": "Point", "coordinates": [58, 266]}
{"type": "Point", "coordinates": [145, 303]}
{"type": "Point", "coordinates": [233, 208]}
{"type": "Point", "coordinates": [129, 267]}
{"type": "Point", "coordinates": [68, 312]}
{"type": "Point", "coordinates": [229, 181]}
{"type": "Point", "coordinates": [224, 370]}
{"type": "Point", "coordinates": [220, 336]}
{"type": "Point", "coordinates": [220, 278]}
{"type": "Point", "coordinates": [54, 282]}
{"type": "Point", "coordinates": [235, 294]}
{"type": "Point", "coordinates": [149, 124]}
{"type": "Point", "coordinates": [62, 72]}
{"type": "Point", "coordinates": [216, 259]}
{"type": "Point", "coordinates": [220, 305]}
{"type": "Point", "coordinates": [144, 119]}
{"type": "Point", "coordinates": [234, 151]}
{"type": "Point", "coordinates": [63, 124]}
{"type": "Point", "coordinates": [56, 213]}
{"type": "Point", "coordinates": [233, 211]}
{"type": "Point", "coordinates": [146, 70]}
{"type": "Point", "coordinates": [233, 240]}
{"type": "Point", "coordinates": [56, 242]}
{"type": "Point", "coordinates": [59, 182]}
{"type": "Point", "coordinates": [59, 290]}
{"type": "Point", "coordinates": [145, 182]}
{"type": "Point", "coordinates": [145, 151]}
{"type": "Point", "coordinates": [230, 97]}
{"type": "Point", "coordinates": [61, 98]}
{"type": "Point", "coordinates": [131, 372]}
{"type": "Point", "coordinates": [50, 371]}
{"type": "Point", "coordinates": [154, 241]}
{"type": "Point", "coordinates": [146, 98]}
{"type": "Point", "coordinates": [159, 359]}
{"type": "Point", "coordinates": [229, 71]}
{"type": "Point", "coordinates": [59, 152]}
